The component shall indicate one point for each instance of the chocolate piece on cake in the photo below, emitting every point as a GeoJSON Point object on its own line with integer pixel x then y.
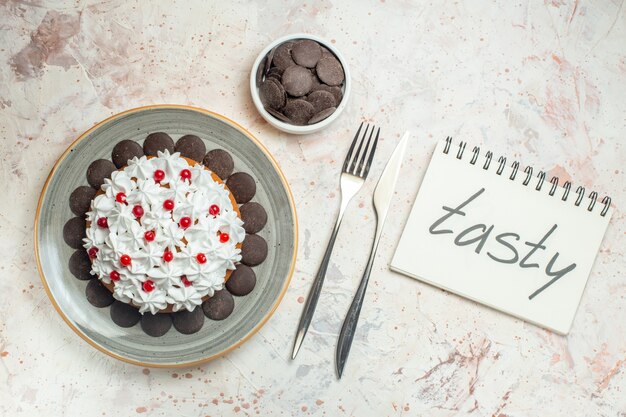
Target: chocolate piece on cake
{"type": "Point", "coordinates": [98, 171]}
{"type": "Point", "coordinates": [98, 295]}
{"type": "Point", "coordinates": [122, 314]}
{"type": "Point", "coordinates": [80, 265]}
{"type": "Point", "coordinates": [253, 250]}
{"type": "Point", "coordinates": [254, 217]}
{"type": "Point", "coordinates": [157, 141]}
{"type": "Point", "coordinates": [74, 232]}
{"type": "Point", "coordinates": [156, 325]}
{"type": "Point", "coordinates": [220, 162]}
{"type": "Point", "coordinates": [188, 322]}
{"type": "Point", "coordinates": [80, 199]}
{"type": "Point", "coordinates": [220, 306]}
{"type": "Point", "coordinates": [242, 186]}
{"type": "Point", "coordinates": [191, 146]}
{"type": "Point", "coordinates": [125, 150]}
{"type": "Point", "coordinates": [242, 281]}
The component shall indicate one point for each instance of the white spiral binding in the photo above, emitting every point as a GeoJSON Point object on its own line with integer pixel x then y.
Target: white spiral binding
{"type": "Point", "coordinates": [541, 176]}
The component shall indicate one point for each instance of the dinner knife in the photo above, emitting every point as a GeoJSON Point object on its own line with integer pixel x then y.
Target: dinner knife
{"type": "Point", "coordinates": [383, 194]}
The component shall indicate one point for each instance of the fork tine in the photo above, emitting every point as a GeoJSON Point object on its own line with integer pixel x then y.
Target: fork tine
{"type": "Point", "coordinates": [361, 168]}
{"type": "Point", "coordinates": [357, 156]}
{"type": "Point", "coordinates": [349, 155]}
{"type": "Point", "coordinates": [371, 157]}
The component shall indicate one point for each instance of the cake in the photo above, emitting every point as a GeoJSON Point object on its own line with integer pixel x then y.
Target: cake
{"type": "Point", "coordinates": [120, 288]}
{"type": "Point", "coordinates": [163, 233]}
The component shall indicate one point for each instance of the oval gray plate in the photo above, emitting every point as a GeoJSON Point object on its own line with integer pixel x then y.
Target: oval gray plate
{"type": "Point", "coordinates": [216, 337]}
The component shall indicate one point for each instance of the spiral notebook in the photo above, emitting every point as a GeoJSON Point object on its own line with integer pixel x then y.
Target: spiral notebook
{"type": "Point", "coordinates": [507, 237]}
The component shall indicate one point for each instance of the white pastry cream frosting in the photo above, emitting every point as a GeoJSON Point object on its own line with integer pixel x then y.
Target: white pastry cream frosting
{"type": "Point", "coordinates": [164, 232]}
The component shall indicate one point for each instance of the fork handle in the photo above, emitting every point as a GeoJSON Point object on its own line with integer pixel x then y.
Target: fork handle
{"type": "Point", "coordinates": [352, 318]}
{"type": "Point", "coordinates": [316, 289]}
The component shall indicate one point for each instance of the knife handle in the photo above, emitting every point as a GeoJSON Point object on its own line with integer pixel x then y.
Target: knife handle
{"type": "Point", "coordinates": [348, 329]}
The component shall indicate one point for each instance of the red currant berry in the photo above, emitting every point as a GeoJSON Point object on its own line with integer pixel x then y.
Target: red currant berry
{"type": "Point", "coordinates": [185, 281]}
{"type": "Point", "coordinates": [214, 210]}
{"type": "Point", "coordinates": [201, 258]}
{"type": "Point", "coordinates": [120, 197]}
{"type": "Point", "coordinates": [125, 260]}
{"type": "Point", "coordinates": [103, 223]}
{"type": "Point", "coordinates": [138, 211]}
{"type": "Point", "coordinates": [185, 222]}
{"type": "Point", "coordinates": [114, 275]}
{"type": "Point", "coordinates": [149, 235]}
{"type": "Point", "coordinates": [185, 174]}
{"type": "Point", "coordinates": [92, 252]}
{"type": "Point", "coordinates": [159, 175]}
{"type": "Point", "coordinates": [224, 237]}
{"type": "Point", "coordinates": [148, 286]}
{"type": "Point", "coordinates": [168, 205]}
{"type": "Point", "coordinates": [168, 256]}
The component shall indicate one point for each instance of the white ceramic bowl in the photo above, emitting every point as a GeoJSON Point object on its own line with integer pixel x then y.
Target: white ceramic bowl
{"type": "Point", "coordinates": [287, 127]}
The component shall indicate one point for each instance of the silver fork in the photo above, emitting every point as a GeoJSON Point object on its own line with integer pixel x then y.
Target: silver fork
{"type": "Point", "coordinates": [353, 175]}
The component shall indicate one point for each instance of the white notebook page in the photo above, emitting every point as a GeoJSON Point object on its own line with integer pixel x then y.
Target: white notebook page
{"type": "Point", "coordinates": [499, 242]}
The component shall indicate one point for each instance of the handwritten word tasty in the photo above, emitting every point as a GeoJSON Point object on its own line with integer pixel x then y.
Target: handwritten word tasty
{"type": "Point", "coordinates": [510, 251]}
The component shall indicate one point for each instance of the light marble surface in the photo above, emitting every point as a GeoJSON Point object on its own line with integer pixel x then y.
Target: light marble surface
{"type": "Point", "coordinates": [543, 82]}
